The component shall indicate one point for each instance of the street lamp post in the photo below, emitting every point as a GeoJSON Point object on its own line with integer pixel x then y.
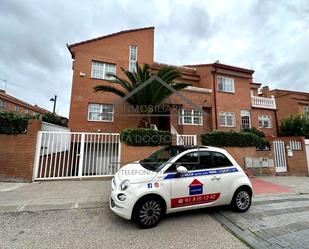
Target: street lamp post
{"type": "Point", "coordinates": [54, 99]}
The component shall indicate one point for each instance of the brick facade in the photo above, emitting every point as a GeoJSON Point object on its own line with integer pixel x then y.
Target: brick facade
{"type": "Point", "coordinates": [114, 49]}
{"type": "Point", "coordinates": [289, 102]}
{"type": "Point", "coordinates": [9, 103]}
{"type": "Point", "coordinates": [17, 153]}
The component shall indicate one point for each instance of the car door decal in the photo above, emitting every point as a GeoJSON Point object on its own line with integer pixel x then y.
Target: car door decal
{"type": "Point", "coordinates": [194, 200]}
{"type": "Point", "coordinates": [196, 187]}
{"type": "Point", "coordinates": [201, 173]}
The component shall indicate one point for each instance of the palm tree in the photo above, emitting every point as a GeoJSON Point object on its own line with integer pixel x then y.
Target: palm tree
{"type": "Point", "coordinates": [151, 95]}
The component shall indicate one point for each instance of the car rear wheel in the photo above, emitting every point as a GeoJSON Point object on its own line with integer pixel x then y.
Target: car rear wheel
{"type": "Point", "coordinates": [148, 213]}
{"type": "Point", "coordinates": [242, 200]}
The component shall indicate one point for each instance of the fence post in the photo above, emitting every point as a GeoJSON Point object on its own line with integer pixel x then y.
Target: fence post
{"type": "Point", "coordinates": [195, 139]}
{"type": "Point", "coordinates": [119, 153]}
{"type": "Point", "coordinates": [37, 156]}
{"type": "Point", "coordinates": [81, 155]}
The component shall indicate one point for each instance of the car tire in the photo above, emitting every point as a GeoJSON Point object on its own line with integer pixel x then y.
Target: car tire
{"type": "Point", "coordinates": [241, 200]}
{"type": "Point", "coordinates": [148, 212]}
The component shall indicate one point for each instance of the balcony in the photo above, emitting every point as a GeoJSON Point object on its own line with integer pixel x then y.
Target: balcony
{"type": "Point", "coordinates": [261, 102]}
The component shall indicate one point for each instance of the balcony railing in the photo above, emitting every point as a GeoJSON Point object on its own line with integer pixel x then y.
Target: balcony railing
{"type": "Point", "coordinates": [261, 102]}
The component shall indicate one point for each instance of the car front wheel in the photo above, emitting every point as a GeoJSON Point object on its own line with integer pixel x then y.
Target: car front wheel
{"type": "Point", "coordinates": [148, 213]}
{"type": "Point", "coordinates": [241, 201]}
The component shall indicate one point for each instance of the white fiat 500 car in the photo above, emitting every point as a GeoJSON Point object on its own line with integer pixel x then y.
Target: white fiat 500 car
{"type": "Point", "coordinates": [178, 178]}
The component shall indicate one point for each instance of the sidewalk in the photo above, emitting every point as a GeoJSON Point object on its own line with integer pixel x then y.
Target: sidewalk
{"type": "Point", "coordinates": [49, 195]}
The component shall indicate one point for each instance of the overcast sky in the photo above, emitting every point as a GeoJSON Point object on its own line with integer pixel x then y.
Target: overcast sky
{"type": "Point", "coordinates": [271, 37]}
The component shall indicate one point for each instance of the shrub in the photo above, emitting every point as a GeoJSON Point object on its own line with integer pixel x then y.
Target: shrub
{"type": "Point", "coordinates": [255, 131]}
{"type": "Point", "coordinates": [53, 119]}
{"type": "Point", "coordinates": [233, 138]}
{"type": "Point", "coordinates": [13, 123]}
{"type": "Point", "coordinates": [297, 125]}
{"type": "Point", "coordinates": [145, 137]}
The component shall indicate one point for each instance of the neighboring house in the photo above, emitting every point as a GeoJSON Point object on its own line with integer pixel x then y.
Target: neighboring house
{"type": "Point", "coordinates": [9, 103]}
{"type": "Point", "coordinates": [289, 102]}
{"type": "Point", "coordinates": [226, 93]}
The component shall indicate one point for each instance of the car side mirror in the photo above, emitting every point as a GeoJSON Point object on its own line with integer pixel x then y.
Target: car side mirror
{"type": "Point", "coordinates": [181, 170]}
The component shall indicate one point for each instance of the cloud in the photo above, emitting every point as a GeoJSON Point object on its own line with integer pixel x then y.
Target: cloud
{"type": "Point", "coordinates": [269, 37]}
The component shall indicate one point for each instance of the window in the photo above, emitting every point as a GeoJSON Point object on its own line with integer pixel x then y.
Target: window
{"type": "Point", "coordinates": [189, 160]}
{"type": "Point", "coordinates": [190, 117]}
{"type": "Point", "coordinates": [100, 112]}
{"type": "Point", "coordinates": [201, 160]}
{"type": "Point", "coordinates": [26, 111]}
{"type": "Point", "coordinates": [227, 119]}
{"type": "Point", "coordinates": [3, 104]}
{"type": "Point", "coordinates": [34, 113]}
{"type": "Point", "coordinates": [265, 121]}
{"type": "Point", "coordinates": [220, 160]}
{"type": "Point", "coordinates": [132, 58]}
{"type": "Point", "coordinates": [245, 120]}
{"type": "Point", "coordinates": [17, 108]}
{"type": "Point", "coordinates": [225, 84]}
{"type": "Point", "coordinates": [99, 70]}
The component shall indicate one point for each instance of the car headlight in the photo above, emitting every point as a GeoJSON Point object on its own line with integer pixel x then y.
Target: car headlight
{"type": "Point", "coordinates": [124, 184]}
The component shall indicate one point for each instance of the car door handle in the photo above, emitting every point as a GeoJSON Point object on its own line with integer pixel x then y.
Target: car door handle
{"type": "Point", "coordinates": [216, 178]}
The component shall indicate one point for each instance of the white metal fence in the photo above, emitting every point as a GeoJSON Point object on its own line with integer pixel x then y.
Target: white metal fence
{"type": "Point", "coordinates": [186, 139]}
{"type": "Point", "coordinates": [61, 155]}
{"type": "Point", "coordinates": [280, 156]}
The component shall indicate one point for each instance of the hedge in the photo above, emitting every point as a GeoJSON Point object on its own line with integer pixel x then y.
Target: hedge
{"type": "Point", "coordinates": [233, 139]}
{"type": "Point", "coordinates": [13, 123]}
{"type": "Point", "coordinates": [53, 119]}
{"type": "Point", "coordinates": [297, 125]}
{"type": "Point", "coordinates": [145, 137]}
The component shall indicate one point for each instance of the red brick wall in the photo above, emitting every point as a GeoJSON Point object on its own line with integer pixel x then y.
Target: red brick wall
{"type": "Point", "coordinates": [296, 164]}
{"type": "Point", "coordinates": [114, 49]}
{"type": "Point", "coordinates": [255, 121]}
{"type": "Point", "coordinates": [134, 153]}
{"type": "Point", "coordinates": [17, 153]}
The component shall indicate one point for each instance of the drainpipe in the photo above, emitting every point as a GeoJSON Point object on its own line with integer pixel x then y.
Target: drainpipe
{"type": "Point", "coordinates": [215, 96]}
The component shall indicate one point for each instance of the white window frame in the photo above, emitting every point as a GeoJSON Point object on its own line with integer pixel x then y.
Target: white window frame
{"type": "Point", "coordinates": [132, 60]}
{"type": "Point", "coordinates": [3, 104]}
{"type": "Point", "coordinates": [100, 113]}
{"type": "Point", "coordinates": [192, 115]}
{"type": "Point", "coordinates": [26, 111]}
{"type": "Point", "coordinates": [263, 118]}
{"type": "Point", "coordinates": [16, 108]}
{"type": "Point", "coordinates": [306, 109]}
{"type": "Point", "coordinates": [222, 80]}
{"type": "Point", "coordinates": [225, 116]}
{"type": "Point", "coordinates": [104, 76]}
{"type": "Point", "coordinates": [244, 113]}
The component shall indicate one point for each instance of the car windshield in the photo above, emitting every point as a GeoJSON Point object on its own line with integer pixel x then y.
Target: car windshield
{"type": "Point", "coordinates": [159, 158]}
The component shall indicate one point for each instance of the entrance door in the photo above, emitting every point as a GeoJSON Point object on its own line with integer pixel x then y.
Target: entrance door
{"type": "Point", "coordinates": [280, 156]}
{"type": "Point", "coordinates": [197, 187]}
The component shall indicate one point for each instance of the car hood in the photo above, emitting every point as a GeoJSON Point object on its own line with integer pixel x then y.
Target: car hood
{"type": "Point", "coordinates": [135, 173]}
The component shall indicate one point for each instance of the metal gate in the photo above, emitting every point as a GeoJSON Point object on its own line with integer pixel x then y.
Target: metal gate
{"type": "Point", "coordinates": [63, 155]}
{"type": "Point", "coordinates": [280, 156]}
{"type": "Point", "coordinates": [307, 151]}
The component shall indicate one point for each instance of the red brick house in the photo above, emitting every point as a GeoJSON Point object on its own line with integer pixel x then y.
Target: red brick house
{"type": "Point", "coordinates": [227, 94]}
{"type": "Point", "coordinates": [289, 102]}
{"type": "Point", "coordinates": [9, 103]}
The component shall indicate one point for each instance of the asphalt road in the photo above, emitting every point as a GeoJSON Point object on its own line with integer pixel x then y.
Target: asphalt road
{"type": "Point", "coordinates": [100, 228]}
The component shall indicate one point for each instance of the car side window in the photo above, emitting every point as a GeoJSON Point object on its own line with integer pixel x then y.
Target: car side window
{"type": "Point", "coordinates": [206, 161]}
{"type": "Point", "coordinates": [220, 160]}
{"type": "Point", "coordinates": [189, 160]}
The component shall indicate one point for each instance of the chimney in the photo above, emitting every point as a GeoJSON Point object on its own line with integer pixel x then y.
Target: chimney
{"type": "Point", "coordinates": [266, 92]}
{"type": "Point", "coordinates": [2, 91]}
